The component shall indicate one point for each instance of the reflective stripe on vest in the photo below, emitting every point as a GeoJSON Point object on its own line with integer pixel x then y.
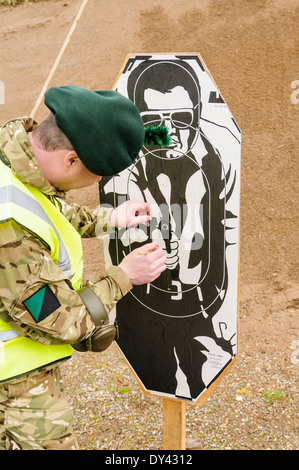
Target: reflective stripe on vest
{"type": "Point", "coordinates": [8, 335]}
{"type": "Point", "coordinates": [9, 194]}
{"type": "Point", "coordinates": [32, 210]}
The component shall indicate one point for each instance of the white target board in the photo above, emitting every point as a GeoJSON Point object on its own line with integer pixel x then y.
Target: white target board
{"type": "Point", "coordinates": [179, 333]}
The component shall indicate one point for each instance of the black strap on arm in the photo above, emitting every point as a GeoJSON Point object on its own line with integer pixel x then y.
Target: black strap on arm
{"type": "Point", "coordinates": [105, 333]}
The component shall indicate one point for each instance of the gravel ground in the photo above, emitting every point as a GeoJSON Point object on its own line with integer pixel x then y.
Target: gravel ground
{"type": "Point", "coordinates": [255, 406]}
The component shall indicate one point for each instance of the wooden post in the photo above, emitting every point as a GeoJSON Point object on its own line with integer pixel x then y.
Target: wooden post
{"type": "Point", "coordinates": [174, 425]}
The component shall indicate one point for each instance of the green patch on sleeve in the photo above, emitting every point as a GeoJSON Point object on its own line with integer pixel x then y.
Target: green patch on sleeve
{"type": "Point", "coordinates": [42, 303]}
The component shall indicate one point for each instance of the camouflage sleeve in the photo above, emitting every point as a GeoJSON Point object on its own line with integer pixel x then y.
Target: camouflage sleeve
{"type": "Point", "coordinates": [88, 223]}
{"type": "Point", "coordinates": [113, 285]}
{"type": "Point", "coordinates": [28, 269]}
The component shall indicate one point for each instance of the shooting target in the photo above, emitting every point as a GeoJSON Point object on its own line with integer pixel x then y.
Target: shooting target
{"type": "Point", "coordinates": [179, 333]}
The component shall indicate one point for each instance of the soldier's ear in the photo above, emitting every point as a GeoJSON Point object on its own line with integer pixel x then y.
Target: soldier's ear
{"type": "Point", "coordinates": [70, 159]}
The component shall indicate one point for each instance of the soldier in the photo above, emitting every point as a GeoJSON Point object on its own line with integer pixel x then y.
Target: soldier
{"type": "Point", "coordinates": [45, 310]}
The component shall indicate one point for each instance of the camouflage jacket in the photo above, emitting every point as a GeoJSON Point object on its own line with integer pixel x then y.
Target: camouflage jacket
{"type": "Point", "coordinates": [25, 264]}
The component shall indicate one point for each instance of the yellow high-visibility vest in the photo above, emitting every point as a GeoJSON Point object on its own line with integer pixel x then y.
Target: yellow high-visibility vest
{"type": "Point", "coordinates": [39, 215]}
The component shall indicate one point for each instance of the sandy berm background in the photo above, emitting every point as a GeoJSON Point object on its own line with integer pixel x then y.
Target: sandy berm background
{"type": "Point", "coordinates": [251, 49]}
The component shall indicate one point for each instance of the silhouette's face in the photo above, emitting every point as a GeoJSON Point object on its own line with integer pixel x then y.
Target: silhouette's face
{"type": "Point", "coordinates": [174, 110]}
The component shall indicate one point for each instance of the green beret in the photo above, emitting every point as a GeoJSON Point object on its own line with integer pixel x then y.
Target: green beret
{"type": "Point", "coordinates": [104, 128]}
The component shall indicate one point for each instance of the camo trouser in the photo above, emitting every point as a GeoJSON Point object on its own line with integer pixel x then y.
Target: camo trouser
{"type": "Point", "coordinates": [34, 413]}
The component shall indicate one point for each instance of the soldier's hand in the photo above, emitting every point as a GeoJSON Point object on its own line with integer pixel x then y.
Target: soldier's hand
{"type": "Point", "coordinates": [144, 264]}
{"type": "Point", "coordinates": [130, 213]}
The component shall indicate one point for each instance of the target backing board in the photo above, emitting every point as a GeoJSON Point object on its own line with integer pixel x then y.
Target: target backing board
{"type": "Point", "coordinates": [179, 334]}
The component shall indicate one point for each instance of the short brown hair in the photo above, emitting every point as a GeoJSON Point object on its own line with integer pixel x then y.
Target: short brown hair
{"type": "Point", "coordinates": [49, 137]}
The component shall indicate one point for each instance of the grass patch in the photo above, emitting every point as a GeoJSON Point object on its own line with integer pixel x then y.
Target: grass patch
{"type": "Point", "coordinates": [273, 395]}
{"type": "Point", "coordinates": [13, 3]}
